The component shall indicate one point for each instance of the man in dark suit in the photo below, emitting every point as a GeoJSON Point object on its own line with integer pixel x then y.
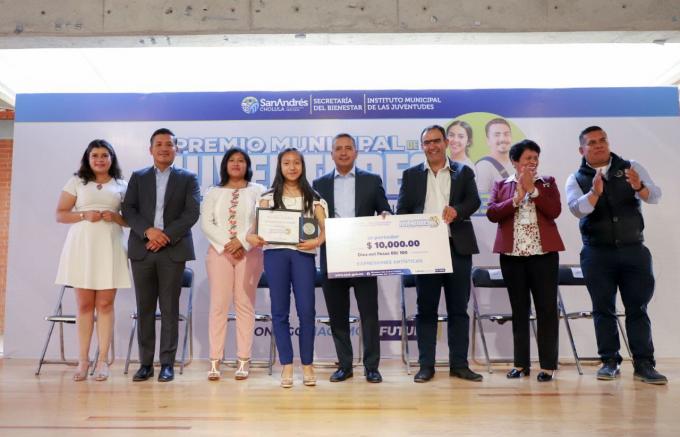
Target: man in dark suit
{"type": "Point", "coordinates": [352, 192]}
{"type": "Point", "coordinates": [444, 187]}
{"type": "Point", "coordinates": [161, 205]}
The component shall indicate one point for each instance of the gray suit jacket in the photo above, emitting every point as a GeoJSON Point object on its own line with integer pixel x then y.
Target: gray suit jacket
{"type": "Point", "coordinates": [182, 208]}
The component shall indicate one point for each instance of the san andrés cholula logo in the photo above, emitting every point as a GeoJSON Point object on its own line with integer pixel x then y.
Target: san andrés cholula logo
{"type": "Point", "coordinates": [251, 105]}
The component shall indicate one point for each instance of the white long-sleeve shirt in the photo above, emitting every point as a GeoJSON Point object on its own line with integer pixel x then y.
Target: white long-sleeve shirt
{"type": "Point", "coordinates": [215, 214]}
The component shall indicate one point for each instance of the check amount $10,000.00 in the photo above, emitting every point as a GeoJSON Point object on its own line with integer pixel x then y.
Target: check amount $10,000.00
{"type": "Point", "coordinates": [393, 244]}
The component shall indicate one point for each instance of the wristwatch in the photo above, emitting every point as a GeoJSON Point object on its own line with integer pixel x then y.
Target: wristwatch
{"type": "Point", "coordinates": [82, 216]}
{"type": "Point", "coordinates": [642, 187]}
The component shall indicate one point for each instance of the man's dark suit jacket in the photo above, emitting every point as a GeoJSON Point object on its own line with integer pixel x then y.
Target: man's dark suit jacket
{"type": "Point", "coordinates": [463, 198]}
{"type": "Point", "coordinates": [182, 208]}
{"type": "Point", "coordinates": [369, 198]}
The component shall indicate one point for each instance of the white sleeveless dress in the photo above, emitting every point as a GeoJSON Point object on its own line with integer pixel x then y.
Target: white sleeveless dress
{"type": "Point", "coordinates": [94, 256]}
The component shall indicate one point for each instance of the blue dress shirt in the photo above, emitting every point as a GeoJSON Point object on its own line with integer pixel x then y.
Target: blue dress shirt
{"type": "Point", "coordinates": [162, 178]}
{"type": "Point", "coordinates": [343, 192]}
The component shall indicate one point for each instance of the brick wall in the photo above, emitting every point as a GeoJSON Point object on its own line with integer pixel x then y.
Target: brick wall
{"type": "Point", "coordinates": [5, 182]}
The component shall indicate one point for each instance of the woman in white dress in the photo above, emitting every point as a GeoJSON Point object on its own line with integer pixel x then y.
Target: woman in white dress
{"type": "Point", "coordinates": [94, 260]}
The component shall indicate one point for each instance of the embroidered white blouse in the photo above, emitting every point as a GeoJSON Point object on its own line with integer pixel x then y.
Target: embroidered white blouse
{"type": "Point", "coordinates": [215, 214]}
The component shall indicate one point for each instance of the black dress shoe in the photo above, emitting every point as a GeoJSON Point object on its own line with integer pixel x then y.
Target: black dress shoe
{"type": "Point", "coordinates": [424, 374]}
{"type": "Point", "coordinates": [646, 373]}
{"type": "Point", "coordinates": [372, 375]}
{"type": "Point", "coordinates": [465, 373]}
{"type": "Point", "coordinates": [166, 374]}
{"type": "Point", "coordinates": [341, 375]}
{"type": "Point", "coordinates": [517, 373]}
{"type": "Point", "coordinates": [544, 377]}
{"type": "Point", "coordinates": [144, 373]}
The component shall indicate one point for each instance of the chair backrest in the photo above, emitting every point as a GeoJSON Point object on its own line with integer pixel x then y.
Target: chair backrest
{"type": "Point", "coordinates": [408, 281]}
{"type": "Point", "coordinates": [188, 282]}
{"type": "Point", "coordinates": [263, 283]}
{"type": "Point", "coordinates": [318, 280]}
{"type": "Point", "coordinates": [59, 308]}
{"type": "Point", "coordinates": [571, 275]}
{"type": "Point", "coordinates": [482, 278]}
{"type": "Point", "coordinates": [187, 278]}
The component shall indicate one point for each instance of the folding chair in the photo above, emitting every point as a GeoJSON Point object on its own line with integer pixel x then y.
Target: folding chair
{"type": "Point", "coordinates": [58, 316]}
{"type": "Point", "coordinates": [326, 320]}
{"type": "Point", "coordinates": [571, 275]}
{"type": "Point", "coordinates": [409, 281]}
{"type": "Point", "coordinates": [187, 283]}
{"type": "Point", "coordinates": [259, 318]}
{"type": "Point", "coordinates": [490, 277]}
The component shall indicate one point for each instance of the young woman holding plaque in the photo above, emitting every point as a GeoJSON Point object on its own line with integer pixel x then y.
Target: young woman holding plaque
{"type": "Point", "coordinates": [233, 266]}
{"type": "Point", "coordinates": [293, 264]}
{"type": "Point", "coordinates": [93, 260]}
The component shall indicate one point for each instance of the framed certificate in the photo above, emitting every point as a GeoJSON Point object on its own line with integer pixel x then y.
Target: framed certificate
{"type": "Point", "coordinates": [279, 226]}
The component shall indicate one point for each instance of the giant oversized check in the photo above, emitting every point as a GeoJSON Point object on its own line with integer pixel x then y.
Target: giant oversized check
{"type": "Point", "coordinates": [396, 245]}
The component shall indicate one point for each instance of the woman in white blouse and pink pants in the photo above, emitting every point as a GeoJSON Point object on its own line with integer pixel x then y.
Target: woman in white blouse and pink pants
{"type": "Point", "coordinates": [233, 266]}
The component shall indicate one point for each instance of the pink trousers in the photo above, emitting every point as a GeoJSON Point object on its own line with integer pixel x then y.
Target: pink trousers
{"type": "Point", "coordinates": [234, 281]}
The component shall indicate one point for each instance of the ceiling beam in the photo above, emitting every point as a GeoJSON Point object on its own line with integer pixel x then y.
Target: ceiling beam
{"type": "Point", "coordinates": [143, 22]}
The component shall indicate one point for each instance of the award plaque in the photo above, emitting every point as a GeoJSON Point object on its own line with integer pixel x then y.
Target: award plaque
{"type": "Point", "coordinates": [309, 228]}
{"type": "Point", "coordinates": [279, 226]}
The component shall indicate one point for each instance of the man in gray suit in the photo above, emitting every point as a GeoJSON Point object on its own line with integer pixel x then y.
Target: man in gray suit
{"type": "Point", "coordinates": [161, 205]}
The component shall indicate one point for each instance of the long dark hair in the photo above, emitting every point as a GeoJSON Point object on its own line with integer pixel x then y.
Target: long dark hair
{"type": "Point", "coordinates": [86, 173]}
{"type": "Point", "coordinates": [224, 175]}
{"type": "Point", "coordinates": [468, 131]}
{"type": "Point", "coordinates": [308, 193]}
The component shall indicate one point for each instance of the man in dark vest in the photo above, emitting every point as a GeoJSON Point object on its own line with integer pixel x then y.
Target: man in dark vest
{"type": "Point", "coordinates": [605, 194]}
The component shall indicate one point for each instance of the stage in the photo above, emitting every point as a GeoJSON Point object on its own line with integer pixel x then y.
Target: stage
{"type": "Point", "coordinates": [52, 404]}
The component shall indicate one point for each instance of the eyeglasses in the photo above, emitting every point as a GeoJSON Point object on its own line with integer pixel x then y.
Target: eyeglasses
{"type": "Point", "coordinates": [430, 142]}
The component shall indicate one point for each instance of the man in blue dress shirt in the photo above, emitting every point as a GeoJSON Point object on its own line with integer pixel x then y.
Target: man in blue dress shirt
{"type": "Point", "coordinates": [161, 205]}
{"type": "Point", "coordinates": [352, 192]}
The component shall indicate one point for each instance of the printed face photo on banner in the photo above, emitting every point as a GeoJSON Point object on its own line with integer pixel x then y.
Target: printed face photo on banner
{"type": "Point", "coordinates": [478, 144]}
